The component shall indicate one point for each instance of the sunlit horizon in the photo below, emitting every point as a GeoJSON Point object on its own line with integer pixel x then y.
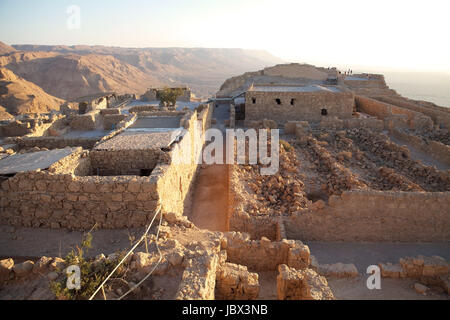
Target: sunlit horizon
{"type": "Point", "coordinates": [397, 36]}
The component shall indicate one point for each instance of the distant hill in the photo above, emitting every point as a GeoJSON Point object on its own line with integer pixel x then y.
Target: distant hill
{"type": "Point", "coordinates": [5, 49]}
{"type": "Point", "coordinates": [69, 76]}
{"type": "Point", "coordinates": [69, 72]}
{"type": "Point", "coordinates": [19, 96]}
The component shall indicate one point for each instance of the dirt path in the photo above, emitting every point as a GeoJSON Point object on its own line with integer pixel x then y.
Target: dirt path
{"type": "Point", "coordinates": [210, 198]}
{"type": "Point", "coordinates": [391, 289]}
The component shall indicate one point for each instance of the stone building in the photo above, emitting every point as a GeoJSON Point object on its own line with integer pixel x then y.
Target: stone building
{"type": "Point", "coordinates": [283, 103]}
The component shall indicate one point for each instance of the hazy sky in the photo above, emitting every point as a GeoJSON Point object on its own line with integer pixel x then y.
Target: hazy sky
{"type": "Point", "coordinates": [398, 34]}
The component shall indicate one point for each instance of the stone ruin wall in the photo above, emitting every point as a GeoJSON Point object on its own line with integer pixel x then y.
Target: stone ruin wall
{"type": "Point", "coordinates": [264, 255]}
{"type": "Point", "coordinates": [307, 106]}
{"type": "Point", "coordinates": [255, 226]}
{"type": "Point", "coordinates": [68, 196]}
{"type": "Point", "coordinates": [370, 84]}
{"type": "Point", "coordinates": [110, 121]}
{"type": "Point", "coordinates": [375, 216]}
{"type": "Point", "coordinates": [392, 114]}
{"type": "Point", "coordinates": [124, 162]}
{"type": "Point", "coordinates": [438, 115]}
{"type": "Point", "coordinates": [59, 142]}
{"type": "Point", "coordinates": [174, 186]}
{"type": "Point", "coordinates": [85, 122]}
{"type": "Point", "coordinates": [55, 142]}
{"type": "Point", "coordinates": [434, 149]}
{"type": "Point", "coordinates": [58, 199]}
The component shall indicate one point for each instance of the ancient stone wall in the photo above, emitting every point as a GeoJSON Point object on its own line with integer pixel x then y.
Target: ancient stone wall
{"type": "Point", "coordinates": [370, 123]}
{"type": "Point", "coordinates": [264, 254]}
{"type": "Point", "coordinates": [434, 149]}
{"type": "Point", "coordinates": [56, 142]}
{"type": "Point", "coordinates": [304, 284]}
{"type": "Point", "coordinates": [235, 282]}
{"type": "Point", "coordinates": [438, 116]}
{"type": "Point", "coordinates": [255, 226]}
{"type": "Point", "coordinates": [306, 106]}
{"type": "Point", "coordinates": [124, 162]}
{"type": "Point", "coordinates": [71, 195]}
{"type": "Point", "coordinates": [387, 111]}
{"type": "Point", "coordinates": [375, 216]}
{"type": "Point", "coordinates": [174, 186]}
{"type": "Point", "coordinates": [369, 83]}
{"type": "Point", "coordinates": [59, 199]}
{"type": "Point", "coordinates": [137, 109]}
{"type": "Point", "coordinates": [111, 120]}
{"type": "Point", "coordinates": [84, 122]}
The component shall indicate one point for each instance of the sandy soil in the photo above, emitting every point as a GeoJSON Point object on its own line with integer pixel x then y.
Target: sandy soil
{"type": "Point", "coordinates": [37, 242]}
{"type": "Point", "coordinates": [391, 289]}
{"type": "Point", "coordinates": [210, 198]}
{"type": "Point", "coordinates": [268, 285]}
{"type": "Point", "coordinates": [363, 254]}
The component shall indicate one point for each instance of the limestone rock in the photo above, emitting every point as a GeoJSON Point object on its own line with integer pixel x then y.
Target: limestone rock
{"type": "Point", "coordinates": [23, 269]}
{"type": "Point", "coordinates": [42, 264]}
{"type": "Point", "coordinates": [420, 288]}
{"type": "Point", "coordinates": [390, 270]}
{"type": "Point", "coordinates": [338, 270]}
{"type": "Point", "coordinates": [57, 264]}
{"type": "Point", "coordinates": [304, 284]}
{"type": "Point", "coordinates": [6, 267]}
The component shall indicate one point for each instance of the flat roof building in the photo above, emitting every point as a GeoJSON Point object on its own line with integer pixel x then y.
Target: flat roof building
{"type": "Point", "coordinates": [284, 103]}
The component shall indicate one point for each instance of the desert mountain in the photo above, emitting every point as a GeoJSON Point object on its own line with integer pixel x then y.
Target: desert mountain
{"type": "Point", "coordinates": [72, 71]}
{"type": "Point", "coordinates": [4, 115]}
{"type": "Point", "coordinates": [18, 96]}
{"type": "Point", "coordinates": [5, 49]}
{"type": "Point", "coordinates": [69, 76]}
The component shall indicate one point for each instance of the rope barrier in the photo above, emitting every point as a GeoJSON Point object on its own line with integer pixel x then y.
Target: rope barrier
{"type": "Point", "coordinates": [131, 251]}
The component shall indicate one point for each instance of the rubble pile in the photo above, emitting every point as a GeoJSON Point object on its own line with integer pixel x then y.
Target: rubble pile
{"type": "Point", "coordinates": [277, 194]}
{"type": "Point", "coordinates": [306, 284]}
{"type": "Point", "coordinates": [379, 178]}
{"type": "Point", "coordinates": [440, 135]}
{"type": "Point", "coordinates": [398, 157]}
{"type": "Point", "coordinates": [338, 177]}
{"type": "Point", "coordinates": [429, 271]}
{"type": "Point", "coordinates": [390, 180]}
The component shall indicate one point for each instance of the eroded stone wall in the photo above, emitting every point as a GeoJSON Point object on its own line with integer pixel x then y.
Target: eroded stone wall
{"type": "Point", "coordinates": [71, 195]}
{"type": "Point", "coordinates": [375, 216]}
{"type": "Point", "coordinates": [125, 162]}
{"type": "Point", "coordinates": [176, 176]}
{"type": "Point", "coordinates": [264, 254]}
{"type": "Point", "coordinates": [58, 199]}
{"type": "Point", "coordinates": [435, 149]}
{"type": "Point", "coordinates": [389, 112]}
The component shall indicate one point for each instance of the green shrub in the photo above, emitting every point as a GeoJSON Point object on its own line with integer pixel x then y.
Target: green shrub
{"type": "Point", "coordinates": [92, 274]}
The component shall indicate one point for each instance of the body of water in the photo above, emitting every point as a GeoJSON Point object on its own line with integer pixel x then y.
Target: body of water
{"type": "Point", "coordinates": [432, 87]}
